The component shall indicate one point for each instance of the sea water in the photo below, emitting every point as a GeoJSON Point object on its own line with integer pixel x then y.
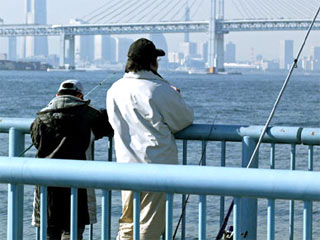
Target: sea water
{"type": "Point", "coordinates": [216, 99]}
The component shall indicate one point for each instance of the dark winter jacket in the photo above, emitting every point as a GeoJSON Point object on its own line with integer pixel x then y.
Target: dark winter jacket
{"type": "Point", "coordinates": [63, 130]}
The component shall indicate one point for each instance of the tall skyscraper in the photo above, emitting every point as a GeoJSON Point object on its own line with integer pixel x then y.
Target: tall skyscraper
{"type": "Point", "coordinates": [286, 54]}
{"type": "Point", "coordinates": [104, 48]}
{"type": "Point", "coordinates": [160, 41]}
{"type": "Point", "coordinates": [122, 46]}
{"type": "Point", "coordinates": [316, 53]}
{"type": "Point", "coordinates": [230, 53]}
{"type": "Point", "coordinates": [316, 59]}
{"type": "Point", "coordinates": [35, 13]}
{"type": "Point", "coordinates": [12, 50]}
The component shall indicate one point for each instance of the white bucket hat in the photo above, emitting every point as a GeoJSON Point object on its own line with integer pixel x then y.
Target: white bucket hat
{"type": "Point", "coordinates": [71, 84]}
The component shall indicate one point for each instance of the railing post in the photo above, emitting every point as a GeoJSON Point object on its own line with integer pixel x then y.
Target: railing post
{"type": "Point", "coordinates": [271, 202]}
{"type": "Point", "coordinates": [136, 215]}
{"type": "Point", "coordinates": [74, 214]}
{"type": "Point", "coordinates": [43, 212]}
{"type": "Point", "coordinates": [248, 210]}
{"type": "Point", "coordinates": [15, 191]}
{"type": "Point", "coordinates": [203, 200]}
{"type": "Point", "coordinates": [291, 203]}
{"type": "Point", "coordinates": [169, 214]}
{"type": "Point", "coordinates": [223, 164]}
{"type": "Point", "coordinates": [106, 215]}
{"type": "Point", "coordinates": [184, 162]}
{"type": "Point", "coordinates": [236, 218]}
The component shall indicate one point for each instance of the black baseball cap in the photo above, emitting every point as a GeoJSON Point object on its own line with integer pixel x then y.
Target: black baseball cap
{"type": "Point", "coordinates": [144, 49]}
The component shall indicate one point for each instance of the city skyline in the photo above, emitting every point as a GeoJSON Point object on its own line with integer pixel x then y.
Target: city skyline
{"type": "Point", "coordinates": [248, 43]}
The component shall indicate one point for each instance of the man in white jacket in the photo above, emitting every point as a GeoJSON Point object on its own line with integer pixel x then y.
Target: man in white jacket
{"type": "Point", "coordinates": [145, 111]}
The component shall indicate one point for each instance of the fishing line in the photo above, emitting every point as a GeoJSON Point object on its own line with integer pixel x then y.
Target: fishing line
{"type": "Point", "coordinates": [92, 90]}
{"type": "Point", "coordinates": [187, 199]}
{"type": "Point", "coordinates": [293, 66]}
{"type": "Point", "coordinates": [95, 87]}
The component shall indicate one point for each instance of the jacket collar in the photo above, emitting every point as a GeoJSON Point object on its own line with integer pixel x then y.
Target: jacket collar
{"type": "Point", "coordinates": [144, 75]}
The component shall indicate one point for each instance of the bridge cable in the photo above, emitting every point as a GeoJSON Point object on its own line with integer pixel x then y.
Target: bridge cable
{"type": "Point", "coordinates": [147, 13]}
{"type": "Point", "coordinates": [197, 8]}
{"type": "Point", "coordinates": [296, 11]}
{"type": "Point", "coordinates": [161, 6]}
{"type": "Point", "coordinates": [235, 3]}
{"type": "Point", "coordinates": [119, 5]}
{"type": "Point", "coordinates": [270, 11]}
{"type": "Point", "coordinates": [114, 15]}
{"type": "Point", "coordinates": [103, 11]}
{"type": "Point", "coordinates": [245, 10]}
{"type": "Point", "coordinates": [303, 8]}
{"type": "Point", "coordinates": [176, 13]}
{"type": "Point", "coordinates": [94, 11]}
{"type": "Point", "coordinates": [293, 66]}
{"type": "Point", "coordinates": [165, 13]}
{"type": "Point", "coordinates": [284, 7]}
{"type": "Point", "coordinates": [250, 9]}
{"type": "Point", "coordinates": [259, 9]}
{"type": "Point", "coordinates": [130, 12]}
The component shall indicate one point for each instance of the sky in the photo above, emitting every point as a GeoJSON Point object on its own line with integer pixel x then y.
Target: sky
{"type": "Point", "coordinates": [248, 44]}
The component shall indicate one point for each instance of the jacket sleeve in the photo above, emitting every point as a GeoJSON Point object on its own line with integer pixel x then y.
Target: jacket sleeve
{"type": "Point", "coordinates": [101, 126]}
{"type": "Point", "coordinates": [176, 114]}
{"type": "Point", "coordinates": [35, 132]}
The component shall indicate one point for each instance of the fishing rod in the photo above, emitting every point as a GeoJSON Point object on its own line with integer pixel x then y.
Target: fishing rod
{"type": "Point", "coordinates": [187, 199]}
{"type": "Point", "coordinates": [91, 91]}
{"type": "Point", "coordinates": [293, 66]}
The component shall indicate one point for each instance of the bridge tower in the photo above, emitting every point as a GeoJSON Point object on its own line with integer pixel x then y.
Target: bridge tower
{"type": "Point", "coordinates": [216, 37]}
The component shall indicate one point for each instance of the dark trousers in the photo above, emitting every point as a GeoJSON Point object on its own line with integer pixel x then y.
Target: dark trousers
{"type": "Point", "coordinates": [59, 233]}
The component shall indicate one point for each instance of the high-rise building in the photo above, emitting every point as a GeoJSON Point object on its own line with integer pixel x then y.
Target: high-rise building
{"type": "Point", "coordinates": [12, 50]}
{"type": "Point", "coordinates": [204, 51]}
{"type": "Point", "coordinates": [286, 54]}
{"type": "Point", "coordinates": [35, 13]}
{"type": "Point", "coordinates": [316, 59]}
{"type": "Point", "coordinates": [160, 41]}
{"type": "Point", "coordinates": [230, 53]}
{"type": "Point", "coordinates": [316, 53]}
{"type": "Point", "coordinates": [122, 46]}
{"type": "Point", "coordinates": [188, 49]}
{"type": "Point", "coordinates": [104, 48]}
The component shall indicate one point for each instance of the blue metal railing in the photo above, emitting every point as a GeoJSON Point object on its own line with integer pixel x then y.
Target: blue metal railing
{"type": "Point", "coordinates": [224, 187]}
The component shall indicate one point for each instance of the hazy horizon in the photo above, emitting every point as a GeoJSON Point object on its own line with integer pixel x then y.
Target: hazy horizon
{"type": "Point", "coordinates": [249, 44]}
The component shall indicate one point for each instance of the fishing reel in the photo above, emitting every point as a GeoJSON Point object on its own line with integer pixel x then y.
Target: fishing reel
{"type": "Point", "coordinates": [228, 234]}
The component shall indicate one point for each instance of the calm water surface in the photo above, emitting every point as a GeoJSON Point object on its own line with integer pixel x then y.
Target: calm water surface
{"type": "Point", "coordinates": [231, 99]}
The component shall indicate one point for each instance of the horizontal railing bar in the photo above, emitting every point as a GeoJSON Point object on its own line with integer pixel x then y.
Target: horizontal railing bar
{"type": "Point", "coordinates": [257, 183]}
{"type": "Point", "coordinates": [310, 136]}
{"type": "Point", "coordinates": [276, 134]}
{"type": "Point", "coordinates": [21, 124]}
{"type": "Point", "coordinates": [237, 132]}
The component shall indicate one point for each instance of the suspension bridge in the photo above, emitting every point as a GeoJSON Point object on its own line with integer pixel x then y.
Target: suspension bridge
{"type": "Point", "coordinates": [216, 17]}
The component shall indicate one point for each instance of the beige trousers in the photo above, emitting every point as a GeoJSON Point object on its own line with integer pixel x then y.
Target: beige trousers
{"type": "Point", "coordinates": [152, 216]}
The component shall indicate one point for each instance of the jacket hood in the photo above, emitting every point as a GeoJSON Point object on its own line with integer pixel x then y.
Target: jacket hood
{"type": "Point", "coordinates": [64, 101]}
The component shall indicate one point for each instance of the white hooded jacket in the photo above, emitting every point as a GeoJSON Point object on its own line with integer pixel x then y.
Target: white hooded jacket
{"type": "Point", "coordinates": [145, 112]}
